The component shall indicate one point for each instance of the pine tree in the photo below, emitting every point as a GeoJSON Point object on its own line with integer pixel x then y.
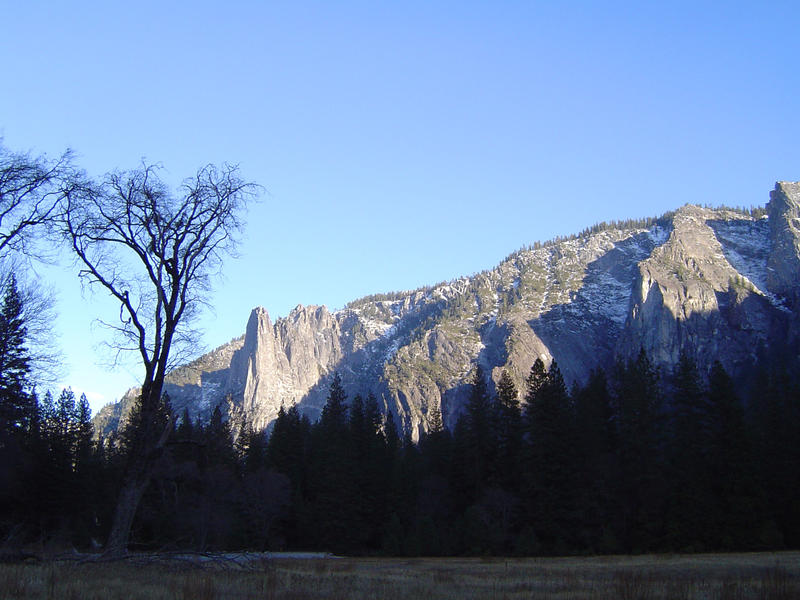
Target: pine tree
{"type": "Point", "coordinates": [690, 500]}
{"type": "Point", "coordinates": [66, 423]}
{"type": "Point", "coordinates": [288, 453]}
{"type": "Point", "coordinates": [218, 440]}
{"type": "Point", "coordinates": [357, 423]}
{"type": "Point", "coordinates": [536, 379]}
{"type": "Point", "coordinates": [214, 507]}
{"type": "Point", "coordinates": [185, 428]}
{"type": "Point", "coordinates": [84, 430]}
{"type": "Point", "coordinates": [16, 404]}
{"type": "Point", "coordinates": [597, 465]}
{"type": "Point", "coordinates": [374, 418]}
{"type": "Point", "coordinates": [87, 474]}
{"type": "Point", "coordinates": [284, 447]}
{"type": "Point", "coordinates": [550, 462]}
{"type": "Point", "coordinates": [334, 413]}
{"type": "Point", "coordinates": [639, 416]}
{"type": "Point", "coordinates": [254, 450]}
{"type": "Point", "coordinates": [18, 413]}
{"type": "Point", "coordinates": [370, 477]}
{"type": "Point", "coordinates": [508, 425]}
{"type": "Point", "coordinates": [392, 438]}
{"type": "Point", "coordinates": [480, 439]}
{"type": "Point", "coordinates": [391, 470]}
{"type": "Point", "coordinates": [775, 406]}
{"type": "Point", "coordinates": [334, 511]}
{"type": "Point", "coordinates": [738, 509]}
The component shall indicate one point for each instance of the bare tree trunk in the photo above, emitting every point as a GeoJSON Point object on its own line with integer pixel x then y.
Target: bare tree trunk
{"type": "Point", "coordinates": [138, 473]}
{"type": "Point", "coordinates": [174, 244]}
{"type": "Point", "coordinates": [127, 504]}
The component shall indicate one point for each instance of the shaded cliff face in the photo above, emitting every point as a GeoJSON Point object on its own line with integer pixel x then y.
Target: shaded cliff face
{"type": "Point", "coordinates": [717, 284]}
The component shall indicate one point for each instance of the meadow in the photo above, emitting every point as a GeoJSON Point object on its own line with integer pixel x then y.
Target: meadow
{"type": "Point", "coordinates": [762, 576]}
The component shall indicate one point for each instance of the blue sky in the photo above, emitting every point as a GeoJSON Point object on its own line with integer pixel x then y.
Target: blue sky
{"type": "Point", "coordinates": [401, 144]}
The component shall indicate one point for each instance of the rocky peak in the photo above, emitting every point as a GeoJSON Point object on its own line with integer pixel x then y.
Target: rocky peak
{"type": "Point", "coordinates": [676, 288]}
{"type": "Point", "coordinates": [258, 325]}
{"type": "Point", "coordinates": [718, 284]}
{"type": "Point", "coordinates": [784, 260]}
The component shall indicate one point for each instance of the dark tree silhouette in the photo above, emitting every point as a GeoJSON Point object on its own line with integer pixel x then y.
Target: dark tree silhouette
{"type": "Point", "coordinates": [551, 456]}
{"type": "Point", "coordinates": [639, 416]}
{"type": "Point", "coordinates": [16, 403]}
{"type": "Point", "coordinates": [480, 443]}
{"type": "Point", "coordinates": [508, 433]}
{"type": "Point", "coordinates": [690, 502]}
{"type": "Point", "coordinates": [154, 251]}
{"type": "Point", "coordinates": [30, 191]}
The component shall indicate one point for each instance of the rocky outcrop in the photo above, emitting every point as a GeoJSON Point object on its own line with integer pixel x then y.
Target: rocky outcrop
{"type": "Point", "coordinates": [716, 284]}
{"type": "Point", "coordinates": [783, 266]}
{"type": "Point", "coordinates": [689, 298]}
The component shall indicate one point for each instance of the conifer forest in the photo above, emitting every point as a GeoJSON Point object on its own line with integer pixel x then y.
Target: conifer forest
{"type": "Point", "coordinates": [637, 459]}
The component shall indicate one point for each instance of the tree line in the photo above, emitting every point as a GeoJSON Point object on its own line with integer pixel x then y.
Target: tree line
{"type": "Point", "coordinates": [154, 250]}
{"type": "Point", "coordinates": [632, 461]}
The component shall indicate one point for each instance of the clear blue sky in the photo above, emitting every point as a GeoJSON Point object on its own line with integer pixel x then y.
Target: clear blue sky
{"type": "Point", "coordinates": [401, 144]}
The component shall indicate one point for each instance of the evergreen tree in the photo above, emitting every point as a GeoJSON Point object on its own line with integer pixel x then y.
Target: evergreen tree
{"type": "Point", "coordinates": [436, 446]}
{"type": "Point", "coordinates": [392, 535]}
{"type": "Point", "coordinates": [595, 445]}
{"type": "Point", "coordinates": [550, 462]}
{"type": "Point", "coordinates": [639, 417]}
{"type": "Point", "coordinates": [255, 453]}
{"type": "Point", "coordinates": [87, 474]}
{"type": "Point", "coordinates": [508, 426]}
{"type": "Point", "coordinates": [216, 503]}
{"type": "Point", "coordinates": [406, 491]}
{"type": "Point", "coordinates": [690, 500]}
{"type": "Point", "coordinates": [16, 403]}
{"type": "Point", "coordinates": [185, 428]}
{"type": "Point", "coordinates": [737, 512]}
{"type": "Point", "coordinates": [374, 419]}
{"type": "Point", "coordinates": [480, 440]}
{"type": "Point", "coordinates": [218, 441]}
{"type": "Point", "coordinates": [333, 514]}
{"type": "Point", "coordinates": [65, 425]}
{"type": "Point", "coordinates": [536, 379]}
{"type": "Point", "coordinates": [286, 451]}
{"type": "Point", "coordinates": [775, 406]}
{"type": "Point", "coordinates": [392, 439]}
{"type": "Point", "coordinates": [334, 413]}
{"type": "Point", "coordinates": [358, 425]}
{"type": "Point", "coordinates": [84, 431]}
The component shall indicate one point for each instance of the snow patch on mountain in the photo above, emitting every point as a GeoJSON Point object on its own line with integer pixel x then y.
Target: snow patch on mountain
{"type": "Point", "coordinates": [583, 301]}
{"type": "Point", "coordinates": [746, 246]}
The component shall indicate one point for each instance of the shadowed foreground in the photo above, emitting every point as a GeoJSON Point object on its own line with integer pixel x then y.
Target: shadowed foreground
{"type": "Point", "coordinates": [735, 576]}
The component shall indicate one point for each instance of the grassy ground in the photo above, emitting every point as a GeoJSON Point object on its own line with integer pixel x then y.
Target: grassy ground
{"type": "Point", "coordinates": [763, 576]}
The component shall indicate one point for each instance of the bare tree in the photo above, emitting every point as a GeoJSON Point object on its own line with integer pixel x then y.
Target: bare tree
{"type": "Point", "coordinates": [30, 191]}
{"type": "Point", "coordinates": [31, 188]}
{"type": "Point", "coordinates": [154, 251]}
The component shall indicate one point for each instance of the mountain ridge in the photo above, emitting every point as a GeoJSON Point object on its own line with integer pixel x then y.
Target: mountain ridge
{"type": "Point", "coordinates": [715, 283]}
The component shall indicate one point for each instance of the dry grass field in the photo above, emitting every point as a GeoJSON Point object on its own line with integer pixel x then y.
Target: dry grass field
{"type": "Point", "coordinates": [763, 576]}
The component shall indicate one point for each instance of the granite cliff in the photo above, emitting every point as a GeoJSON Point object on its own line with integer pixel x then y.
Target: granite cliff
{"type": "Point", "coordinates": [716, 283]}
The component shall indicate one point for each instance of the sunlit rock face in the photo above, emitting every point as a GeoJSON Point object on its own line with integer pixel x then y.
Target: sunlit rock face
{"type": "Point", "coordinates": [783, 265]}
{"type": "Point", "coordinates": [716, 284]}
{"type": "Point", "coordinates": [703, 292]}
